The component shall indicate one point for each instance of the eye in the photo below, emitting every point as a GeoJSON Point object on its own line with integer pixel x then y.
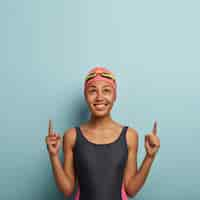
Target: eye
{"type": "Point", "coordinates": [106, 90]}
{"type": "Point", "coordinates": [92, 90]}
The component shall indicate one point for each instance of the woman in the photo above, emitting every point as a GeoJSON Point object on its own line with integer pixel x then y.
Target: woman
{"type": "Point", "coordinates": [101, 153]}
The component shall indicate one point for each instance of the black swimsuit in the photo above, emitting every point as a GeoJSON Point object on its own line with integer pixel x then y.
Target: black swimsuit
{"type": "Point", "coordinates": [100, 167]}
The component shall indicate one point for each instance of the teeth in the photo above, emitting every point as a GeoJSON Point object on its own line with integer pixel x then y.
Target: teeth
{"type": "Point", "coordinates": [100, 105]}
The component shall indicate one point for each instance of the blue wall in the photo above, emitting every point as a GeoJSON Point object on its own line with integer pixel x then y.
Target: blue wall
{"type": "Point", "coordinates": [46, 49]}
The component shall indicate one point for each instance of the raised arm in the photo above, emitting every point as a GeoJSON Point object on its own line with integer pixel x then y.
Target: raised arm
{"type": "Point", "coordinates": [135, 179]}
{"type": "Point", "coordinates": [131, 165]}
{"type": "Point", "coordinates": [69, 168]}
{"type": "Point", "coordinates": [63, 175]}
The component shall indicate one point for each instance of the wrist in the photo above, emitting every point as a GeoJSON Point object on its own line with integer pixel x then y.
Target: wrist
{"type": "Point", "coordinates": [53, 156]}
{"type": "Point", "coordinates": [150, 156]}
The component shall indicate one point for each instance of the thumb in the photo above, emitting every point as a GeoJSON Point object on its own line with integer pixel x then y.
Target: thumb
{"type": "Point", "coordinates": [58, 143]}
{"type": "Point", "coordinates": [147, 141]}
{"type": "Point", "coordinates": [146, 138]}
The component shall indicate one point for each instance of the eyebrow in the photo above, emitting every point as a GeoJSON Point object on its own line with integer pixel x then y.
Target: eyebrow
{"type": "Point", "coordinates": [106, 86]}
{"type": "Point", "coordinates": [92, 86]}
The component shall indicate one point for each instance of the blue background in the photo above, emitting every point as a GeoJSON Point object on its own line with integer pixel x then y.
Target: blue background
{"type": "Point", "coordinates": [46, 49]}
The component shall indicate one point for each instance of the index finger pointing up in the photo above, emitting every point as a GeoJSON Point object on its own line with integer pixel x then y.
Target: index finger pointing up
{"type": "Point", "coordinates": [50, 129]}
{"type": "Point", "coordinates": [154, 128]}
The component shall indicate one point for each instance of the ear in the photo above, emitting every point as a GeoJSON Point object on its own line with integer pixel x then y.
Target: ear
{"type": "Point", "coordinates": [114, 98]}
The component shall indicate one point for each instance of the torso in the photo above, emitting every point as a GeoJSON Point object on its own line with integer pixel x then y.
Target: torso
{"type": "Point", "coordinates": [101, 178]}
{"type": "Point", "coordinates": [102, 137]}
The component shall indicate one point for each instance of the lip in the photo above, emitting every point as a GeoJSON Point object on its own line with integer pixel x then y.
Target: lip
{"type": "Point", "coordinates": [102, 106]}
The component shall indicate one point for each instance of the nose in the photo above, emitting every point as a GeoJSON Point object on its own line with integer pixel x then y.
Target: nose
{"type": "Point", "coordinates": [99, 95]}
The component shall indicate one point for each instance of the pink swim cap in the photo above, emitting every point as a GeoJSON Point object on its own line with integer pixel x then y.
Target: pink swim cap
{"type": "Point", "coordinates": [98, 71]}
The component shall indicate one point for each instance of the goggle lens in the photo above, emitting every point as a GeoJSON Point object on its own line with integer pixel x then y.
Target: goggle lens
{"type": "Point", "coordinates": [103, 74]}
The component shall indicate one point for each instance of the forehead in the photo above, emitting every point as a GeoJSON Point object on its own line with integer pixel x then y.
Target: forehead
{"type": "Point", "coordinates": [99, 83]}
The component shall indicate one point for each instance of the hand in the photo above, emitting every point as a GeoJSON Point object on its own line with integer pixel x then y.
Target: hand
{"type": "Point", "coordinates": [53, 141]}
{"type": "Point", "coordinates": [152, 142]}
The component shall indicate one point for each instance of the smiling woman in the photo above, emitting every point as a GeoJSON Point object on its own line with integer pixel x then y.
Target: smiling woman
{"type": "Point", "coordinates": [101, 154]}
{"type": "Point", "coordinates": [100, 95]}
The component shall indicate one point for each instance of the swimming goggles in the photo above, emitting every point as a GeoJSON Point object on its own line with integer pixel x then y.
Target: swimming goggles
{"type": "Point", "coordinates": [102, 74]}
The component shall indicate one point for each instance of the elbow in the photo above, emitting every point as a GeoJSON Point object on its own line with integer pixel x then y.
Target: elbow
{"type": "Point", "coordinates": [132, 194]}
{"type": "Point", "coordinates": [67, 193]}
{"type": "Point", "coordinates": [129, 193]}
{"type": "Point", "coordinates": [68, 188]}
{"type": "Point", "coordinates": [132, 191]}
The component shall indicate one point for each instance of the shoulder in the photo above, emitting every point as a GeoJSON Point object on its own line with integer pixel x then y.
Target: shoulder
{"type": "Point", "coordinates": [132, 138]}
{"type": "Point", "coordinates": [69, 137]}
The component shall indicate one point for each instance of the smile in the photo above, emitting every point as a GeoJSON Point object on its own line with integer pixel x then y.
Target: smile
{"type": "Point", "coordinates": [100, 106]}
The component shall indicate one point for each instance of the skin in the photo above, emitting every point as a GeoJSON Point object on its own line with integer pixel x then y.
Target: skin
{"type": "Point", "coordinates": [101, 128]}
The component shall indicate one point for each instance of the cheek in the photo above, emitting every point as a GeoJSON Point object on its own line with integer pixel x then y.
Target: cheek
{"type": "Point", "coordinates": [90, 98]}
{"type": "Point", "coordinates": [110, 96]}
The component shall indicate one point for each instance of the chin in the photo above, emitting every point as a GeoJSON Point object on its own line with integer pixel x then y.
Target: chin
{"type": "Point", "coordinates": [100, 114]}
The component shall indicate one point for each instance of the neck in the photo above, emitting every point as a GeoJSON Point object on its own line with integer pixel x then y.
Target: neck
{"type": "Point", "coordinates": [100, 122]}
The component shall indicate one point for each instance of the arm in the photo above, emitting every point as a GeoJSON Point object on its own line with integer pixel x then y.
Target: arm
{"type": "Point", "coordinates": [136, 182]}
{"type": "Point", "coordinates": [69, 168]}
{"type": "Point", "coordinates": [131, 165]}
{"type": "Point", "coordinates": [62, 181]}
{"type": "Point", "coordinates": [135, 179]}
{"type": "Point", "coordinates": [65, 176]}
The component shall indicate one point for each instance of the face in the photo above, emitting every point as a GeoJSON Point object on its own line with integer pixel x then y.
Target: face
{"type": "Point", "coordinates": [100, 98]}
